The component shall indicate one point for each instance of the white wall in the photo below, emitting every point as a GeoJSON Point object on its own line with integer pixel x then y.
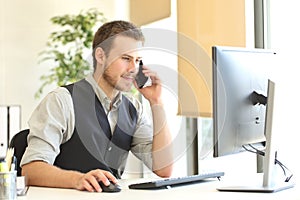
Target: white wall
{"type": "Point", "coordinates": [24, 29]}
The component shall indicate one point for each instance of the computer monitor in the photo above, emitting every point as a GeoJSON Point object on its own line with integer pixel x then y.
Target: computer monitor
{"type": "Point", "coordinates": [239, 97]}
{"type": "Point", "coordinates": [243, 99]}
{"type": "Point", "coordinates": [269, 182]}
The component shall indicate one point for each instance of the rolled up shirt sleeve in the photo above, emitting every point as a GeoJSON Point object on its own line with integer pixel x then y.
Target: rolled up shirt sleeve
{"type": "Point", "coordinates": [51, 124]}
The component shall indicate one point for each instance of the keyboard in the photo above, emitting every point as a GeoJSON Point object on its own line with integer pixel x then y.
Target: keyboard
{"type": "Point", "coordinates": [169, 182]}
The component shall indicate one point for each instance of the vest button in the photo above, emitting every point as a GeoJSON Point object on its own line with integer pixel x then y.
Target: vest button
{"type": "Point", "coordinates": [109, 148]}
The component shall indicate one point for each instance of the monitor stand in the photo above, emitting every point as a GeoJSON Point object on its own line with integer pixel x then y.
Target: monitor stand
{"type": "Point", "coordinates": [257, 186]}
{"type": "Point", "coordinates": [269, 182]}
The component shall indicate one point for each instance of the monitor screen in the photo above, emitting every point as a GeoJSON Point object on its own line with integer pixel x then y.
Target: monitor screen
{"type": "Point", "coordinates": [239, 97]}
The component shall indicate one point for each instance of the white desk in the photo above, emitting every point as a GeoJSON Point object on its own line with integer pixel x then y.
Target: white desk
{"type": "Point", "coordinates": [203, 190]}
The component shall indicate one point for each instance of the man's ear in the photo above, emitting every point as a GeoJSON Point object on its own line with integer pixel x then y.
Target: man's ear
{"type": "Point", "coordinates": [100, 55]}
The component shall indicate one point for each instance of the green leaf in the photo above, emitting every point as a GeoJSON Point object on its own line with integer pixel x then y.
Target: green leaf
{"type": "Point", "coordinates": [66, 45]}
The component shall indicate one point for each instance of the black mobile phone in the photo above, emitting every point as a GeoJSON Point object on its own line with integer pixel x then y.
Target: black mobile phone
{"type": "Point", "coordinates": [140, 78]}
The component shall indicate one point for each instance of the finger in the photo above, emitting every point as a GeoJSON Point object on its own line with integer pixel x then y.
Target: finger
{"type": "Point", "coordinates": [104, 176]}
{"type": "Point", "coordinates": [155, 80]}
{"type": "Point", "coordinates": [87, 186]}
{"type": "Point", "coordinates": [145, 67]}
{"type": "Point", "coordinates": [111, 177]}
{"type": "Point", "coordinates": [90, 181]}
{"type": "Point", "coordinates": [95, 185]}
{"type": "Point", "coordinates": [149, 73]}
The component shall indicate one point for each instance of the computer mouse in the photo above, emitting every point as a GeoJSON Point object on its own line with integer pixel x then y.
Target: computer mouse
{"type": "Point", "coordinates": [112, 187]}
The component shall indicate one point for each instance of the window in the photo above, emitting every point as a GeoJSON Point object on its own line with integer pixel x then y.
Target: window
{"type": "Point", "coordinates": [283, 36]}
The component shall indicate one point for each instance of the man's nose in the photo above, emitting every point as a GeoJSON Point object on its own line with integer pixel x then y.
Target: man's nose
{"type": "Point", "coordinates": [134, 66]}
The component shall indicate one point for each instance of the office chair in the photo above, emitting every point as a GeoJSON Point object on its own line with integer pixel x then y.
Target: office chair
{"type": "Point", "coordinates": [19, 143]}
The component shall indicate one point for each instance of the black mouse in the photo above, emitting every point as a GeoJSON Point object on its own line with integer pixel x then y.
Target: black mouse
{"type": "Point", "coordinates": [112, 187]}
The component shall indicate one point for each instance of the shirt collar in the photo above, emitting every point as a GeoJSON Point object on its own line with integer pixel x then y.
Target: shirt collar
{"type": "Point", "coordinates": [103, 98]}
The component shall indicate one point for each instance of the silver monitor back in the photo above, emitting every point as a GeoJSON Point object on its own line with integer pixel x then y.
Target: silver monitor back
{"type": "Point", "coordinates": [237, 118]}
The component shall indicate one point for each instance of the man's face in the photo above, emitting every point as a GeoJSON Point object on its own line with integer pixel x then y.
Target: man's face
{"type": "Point", "coordinates": [121, 65]}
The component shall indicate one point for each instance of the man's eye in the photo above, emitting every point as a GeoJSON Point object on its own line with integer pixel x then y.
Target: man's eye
{"type": "Point", "coordinates": [126, 58]}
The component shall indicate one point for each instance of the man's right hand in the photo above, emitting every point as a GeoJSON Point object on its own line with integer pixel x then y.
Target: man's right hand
{"type": "Point", "coordinates": [89, 181]}
{"type": "Point", "coordinates": [40, 173]}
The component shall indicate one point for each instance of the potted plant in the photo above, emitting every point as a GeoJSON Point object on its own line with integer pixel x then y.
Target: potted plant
{"type": "Point", "coordinates": [66, 46]}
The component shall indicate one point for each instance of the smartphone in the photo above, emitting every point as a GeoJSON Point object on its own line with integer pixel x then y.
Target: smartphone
{"type": "Point", "coordinates": [140, 78]}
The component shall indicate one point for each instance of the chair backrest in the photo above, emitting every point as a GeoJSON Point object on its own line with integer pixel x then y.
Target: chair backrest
{"type": "Point", "coordinates": [19, 143]}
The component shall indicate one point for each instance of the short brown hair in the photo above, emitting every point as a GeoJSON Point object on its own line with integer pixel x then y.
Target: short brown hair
{"type": "Point", "coordinates": [105, 35]}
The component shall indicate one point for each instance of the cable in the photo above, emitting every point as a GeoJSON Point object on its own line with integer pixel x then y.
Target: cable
{"type": "Point", "coordinates": [256, 150]}
{"type": "Point", "coordinates": [282, 166]}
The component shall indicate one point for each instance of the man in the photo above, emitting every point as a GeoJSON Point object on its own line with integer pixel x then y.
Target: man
{"type": "Point", "coordinates": [80, 134]}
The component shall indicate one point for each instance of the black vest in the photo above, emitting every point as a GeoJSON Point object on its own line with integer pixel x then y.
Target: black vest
{"type": "Point", "coordinates": [92, 146]}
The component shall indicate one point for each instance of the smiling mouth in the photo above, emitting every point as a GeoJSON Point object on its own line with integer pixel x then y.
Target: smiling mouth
{"type": "Point", "coordinates": [128, 78]}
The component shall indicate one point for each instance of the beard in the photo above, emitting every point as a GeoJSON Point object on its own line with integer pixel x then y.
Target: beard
{"type": "Point", "coordinates": [115, 82]}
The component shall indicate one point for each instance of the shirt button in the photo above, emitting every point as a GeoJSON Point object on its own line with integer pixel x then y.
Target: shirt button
{"type": "Point", "coordinates": [109, 149]}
